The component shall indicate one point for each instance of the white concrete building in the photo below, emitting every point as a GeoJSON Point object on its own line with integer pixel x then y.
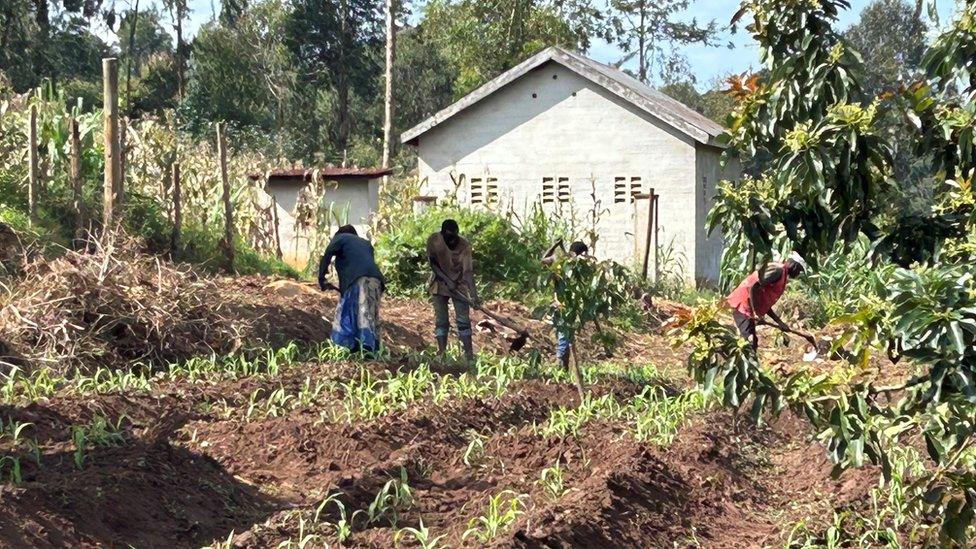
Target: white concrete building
{"type": "Point", "coordinates": [578, 137]}
{"type": "Point", "coordinates": [352, 194]}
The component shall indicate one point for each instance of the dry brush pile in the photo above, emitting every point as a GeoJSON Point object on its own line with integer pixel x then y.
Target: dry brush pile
{"type": "Point", "coordinates": [113, 306]}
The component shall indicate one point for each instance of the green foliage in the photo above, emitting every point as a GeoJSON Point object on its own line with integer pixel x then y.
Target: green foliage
{"type": "Point", "coordinates": [504, 509]}
{"type": "Point", "coordinates": [713, 103]}
{"type": "Point", "coordinates": [890, 35]}
{"type": "Point", "coordinates": [483, 39]}
{"type": "Point", "coordinates": [504, 257]}
{"type": "Point", "coordinates": [392, 500]}
{"type": "Point", "coordinates": [588, 291]}
{"type": "Point", "coordinates": [828, 161]}
{"type": "Point", "coordinates": [649, 30]}
{"type": "Point", "coordinates": [551, 479]}
{"type": "Point", "coordinates": [720, 358]}
{"type": "Point", "coordinates": [828, 185]}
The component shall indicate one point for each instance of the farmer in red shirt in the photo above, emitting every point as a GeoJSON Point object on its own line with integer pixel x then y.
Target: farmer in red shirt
{"type": "Point", "coordinates": [755, 297]}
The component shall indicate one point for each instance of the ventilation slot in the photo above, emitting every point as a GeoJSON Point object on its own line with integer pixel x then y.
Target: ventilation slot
{"type": "Point", "coordinates": [491, 192]}
{"type": "Point", "coordinates": [619, 190]}
{"type": "Point", "coordinates": [563, 189]}
{"type": "Point", "coordinates": [548, 190]}
{"type": "Point", "coordinates": [477, 195]}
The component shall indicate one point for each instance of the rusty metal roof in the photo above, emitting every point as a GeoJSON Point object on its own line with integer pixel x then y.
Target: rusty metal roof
{"type": "Point", "coordinates": [325, 173]}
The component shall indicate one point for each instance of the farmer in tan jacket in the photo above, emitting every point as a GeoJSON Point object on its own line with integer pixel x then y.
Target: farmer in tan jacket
{"type": "Point", "coordinates": [452, 279]}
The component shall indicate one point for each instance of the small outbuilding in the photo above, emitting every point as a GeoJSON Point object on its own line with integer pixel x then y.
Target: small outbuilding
{"type": "Point", "coordinates": [588, 143]}
{"type": "Point", "coordinates": [351, 194]}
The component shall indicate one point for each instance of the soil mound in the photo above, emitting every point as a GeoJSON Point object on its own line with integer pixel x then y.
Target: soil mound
{"type": "Point", "coordinates": [112, 306]}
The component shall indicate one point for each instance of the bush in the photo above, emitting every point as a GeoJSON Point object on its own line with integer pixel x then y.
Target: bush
{"type": "Point", "coordinates": [506, 258]}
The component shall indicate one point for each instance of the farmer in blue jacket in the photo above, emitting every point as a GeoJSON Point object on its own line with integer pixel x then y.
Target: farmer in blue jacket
{"type": "Point", "coordinates": [357, 317]}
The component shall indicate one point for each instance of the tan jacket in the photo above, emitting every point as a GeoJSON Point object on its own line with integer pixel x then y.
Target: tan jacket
{"type": "Point", "coordinates": [456, 264]}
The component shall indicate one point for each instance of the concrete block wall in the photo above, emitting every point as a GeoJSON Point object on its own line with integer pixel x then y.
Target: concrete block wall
{"type": "Point", "coordinates": [354, 201]}
{"type": "Point", "coordinates": [552, 123]}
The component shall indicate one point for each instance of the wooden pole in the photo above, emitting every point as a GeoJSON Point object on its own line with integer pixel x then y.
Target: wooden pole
{"type": "Point", "coordinates": [657, 269]}
{"type": "Point", "coordinates": [174, 241]}
{"type": "Point", "coordinates": [228, 242]}
{"type": "Point", "coordinates": [113, 167]}
{"type": "Point", "coordinates": [649, 237]}
{"type": "Point", "coordinates": [76, 182]}
{"type": "Point", "coordinates": [33, 185]}
{"type": "Point", "coordinates": [388, 96]}
{"type": "Point", "coordinates": [275, 222]}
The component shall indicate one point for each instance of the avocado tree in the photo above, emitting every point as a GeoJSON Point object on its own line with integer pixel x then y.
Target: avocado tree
{"type": "Point", "coordinates": [587, 291]}
{"type": "Point", "coordinates": [826, 185]}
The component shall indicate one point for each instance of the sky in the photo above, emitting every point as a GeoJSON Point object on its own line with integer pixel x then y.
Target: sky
{"type": "Point", "coordinates": [708, 64]}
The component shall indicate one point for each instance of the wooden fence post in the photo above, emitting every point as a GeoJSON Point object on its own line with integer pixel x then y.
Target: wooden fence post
{"type": "Point", "coordinates": [657, 268]}
{"type": "Point", "coordinates": [275, 222]}
{"type": "Point", "coordinates": [177, 208]}
{"type": "Point", "coordinates": [228, 242]}
{"type": "Point", "coordinates": [33, 186]}
{"type": "Point", "coordinates": [113, 168]}
{"type": "Point", "coordinates": [76, 183]}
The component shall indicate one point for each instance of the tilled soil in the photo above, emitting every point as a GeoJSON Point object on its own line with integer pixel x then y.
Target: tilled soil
{"type": "Point", "coordinates": [192, 471]}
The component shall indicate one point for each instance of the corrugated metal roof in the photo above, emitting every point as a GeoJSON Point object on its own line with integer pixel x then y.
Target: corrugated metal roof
{"type": "Point", "coordinates": [672, 112]}
{"type": "Point", "coordinates": [327, 173]}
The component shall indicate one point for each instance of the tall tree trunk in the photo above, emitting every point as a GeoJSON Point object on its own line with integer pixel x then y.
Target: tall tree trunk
{"type": "Point", "coordinates": [131, 54]}
{"type": "Point", "coordinates": [642, 45]}
{"type": "Point", "coordinates": [42, 65]}
{"type": "Point", "coordinates": [342, 83]}
{"type": "Point", "coordinates": [179, 12]}
{"type": "Point", "coordinates": [388, 97]}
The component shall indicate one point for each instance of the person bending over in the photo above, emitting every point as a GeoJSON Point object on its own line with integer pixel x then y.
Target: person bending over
{"type": "Point", "coordinates": [755, 296]}
{"type": "Point", "coordinates": [357, 317]}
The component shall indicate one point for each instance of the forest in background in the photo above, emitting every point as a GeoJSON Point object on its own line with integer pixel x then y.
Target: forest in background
{"type": "Point", "coordinates": [303, 80]}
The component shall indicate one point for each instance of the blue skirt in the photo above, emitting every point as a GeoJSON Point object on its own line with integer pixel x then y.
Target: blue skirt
{"type": "Point", "coordinates": [356, 323]}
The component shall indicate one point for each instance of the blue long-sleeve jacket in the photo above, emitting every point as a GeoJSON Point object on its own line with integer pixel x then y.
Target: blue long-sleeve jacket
{"type": "Point", "coordinates": [353, 258]}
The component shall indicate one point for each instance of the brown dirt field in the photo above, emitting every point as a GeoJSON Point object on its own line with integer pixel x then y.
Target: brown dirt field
{"type": "Point", "coordinates": [191, 471]}
{"type": "Point", "coordinates": [186, 477]}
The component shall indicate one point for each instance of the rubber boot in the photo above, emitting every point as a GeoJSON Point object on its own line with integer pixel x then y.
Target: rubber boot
{"type": "Point", "coordinates": [441, 345]}
{"type": "Point", "coordinates": [564, 361]}
{"type": "Point", "coordinates": [468, 347]}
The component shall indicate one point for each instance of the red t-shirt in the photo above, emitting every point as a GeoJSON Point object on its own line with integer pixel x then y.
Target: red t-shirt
{"type": "Point", "coordinates": [766, 297]}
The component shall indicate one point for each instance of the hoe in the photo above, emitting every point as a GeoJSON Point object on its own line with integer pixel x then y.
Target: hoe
{"type": "Point", "coordinates": [515, 345]}
{"type": "Point", "coordinates": [523, 334]}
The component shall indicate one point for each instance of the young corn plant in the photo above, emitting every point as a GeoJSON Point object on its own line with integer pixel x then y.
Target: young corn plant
{"type": "Point", "coordinates": [658, 417]}
{"type": "Point", "coordinates": [304, 540]}
{"type": "Point", "coordinates": [10, 467]}
{"type": "Point", "coordinates": [474, 455]}
{"type": "Point", "coordinates": [344, 525]}
{"type": "Point", "coordinates": [105, 380]}
{"type": "Point", "coordinates": [420, 535]}
{"type": "Point", "coordinates": [565, 422]}
{"type": "Point", "coordinates": [551, 480]}
{"type": "Point", "coordinates": [102, 432]}
{"type": "Point", "coordinates": [18, 386]}
{"type": "Point", "coordinates": [504, 509]}
{"type": "Point", "coordinates": [394, 499]}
